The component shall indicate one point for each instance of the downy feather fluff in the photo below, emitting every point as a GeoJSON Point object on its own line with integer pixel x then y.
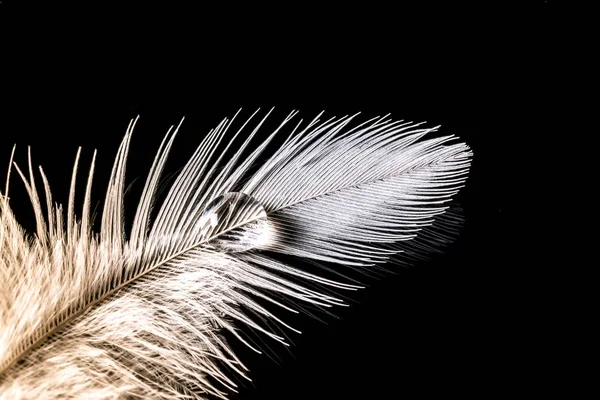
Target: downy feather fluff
{"type": "Point", "coordinates": [109, 314]}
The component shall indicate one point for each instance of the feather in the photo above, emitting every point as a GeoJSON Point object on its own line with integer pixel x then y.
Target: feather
{"type": "Point", "coordinates": [141, 314]}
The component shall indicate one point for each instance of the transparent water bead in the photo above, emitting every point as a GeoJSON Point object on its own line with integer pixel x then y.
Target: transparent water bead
{"type": "Point", "coordinates": [236, 222]}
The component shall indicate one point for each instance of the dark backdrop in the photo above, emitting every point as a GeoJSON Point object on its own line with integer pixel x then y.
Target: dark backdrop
{"type": "Point", "coordinates": [451, 326]}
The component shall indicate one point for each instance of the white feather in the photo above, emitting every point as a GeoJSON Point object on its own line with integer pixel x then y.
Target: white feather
{"type": "Point", "coordinates": [114, 315]}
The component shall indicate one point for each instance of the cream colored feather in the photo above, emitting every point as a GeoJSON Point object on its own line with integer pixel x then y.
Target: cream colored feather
{"type": "Point", "coordinates": [109, 314]}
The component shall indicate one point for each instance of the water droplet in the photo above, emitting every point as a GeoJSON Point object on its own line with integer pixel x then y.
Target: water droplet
{"type": "Point", "coordinates": [236, 221]}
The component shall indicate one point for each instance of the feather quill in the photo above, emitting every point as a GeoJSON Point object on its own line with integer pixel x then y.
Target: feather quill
{"type": "Point", "coordinates": [140, 314]}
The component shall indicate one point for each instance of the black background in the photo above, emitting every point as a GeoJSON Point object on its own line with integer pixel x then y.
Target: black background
{"type": "Point", "coordinates": [455, 325]}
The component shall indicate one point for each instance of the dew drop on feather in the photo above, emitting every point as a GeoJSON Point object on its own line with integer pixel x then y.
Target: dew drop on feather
{"type": "Point", "coordinates": [233, 210]}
